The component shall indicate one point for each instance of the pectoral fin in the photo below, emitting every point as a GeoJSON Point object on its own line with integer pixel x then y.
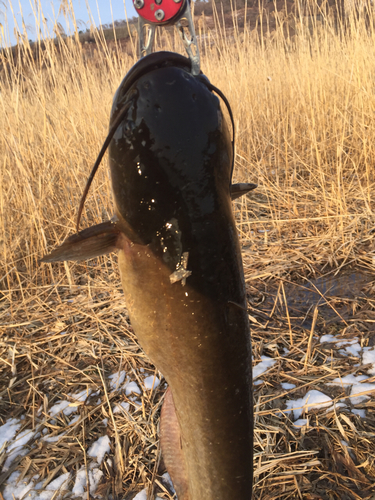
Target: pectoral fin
{"type": "Point", "coordinates": [87, 244]}
{"type": "Point", "coordinates": [237, 190]}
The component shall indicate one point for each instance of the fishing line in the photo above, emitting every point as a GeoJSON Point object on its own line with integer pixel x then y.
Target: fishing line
{"type": "Point", "coordinates": [98, 160]}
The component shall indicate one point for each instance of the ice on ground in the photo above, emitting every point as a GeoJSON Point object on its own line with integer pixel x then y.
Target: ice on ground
{"type": "Point", "coordinates": [68, 408]}
{"type": "Point", "coordinates": [99, 449]}
{"type": "Point", "coordinates": [151, 382]}
{"type": "Point", "coordinates": [116, 379]}
{"type": "Point", "coordinates": [9, 430]}
{"type": "Point", "coordinates": [263, 366]}
{"type": "Point", "coordinates": [287, 386]}
{"type": "Point", "coordinates": [118, 408]}
{"type": "Point", "coordinates": [80, 485]}
{"type": "Point", "coordinates": [368, 357]}
{"type": "Point", "coordinates": [132, 387]}
{"type": "Point", "coordinates": [356, 387]}
{"type": "Point", "coordinates": [312, 399]}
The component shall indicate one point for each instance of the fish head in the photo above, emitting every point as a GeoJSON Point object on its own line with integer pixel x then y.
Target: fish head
{"type": "Point", "coordinates": [170, 157]}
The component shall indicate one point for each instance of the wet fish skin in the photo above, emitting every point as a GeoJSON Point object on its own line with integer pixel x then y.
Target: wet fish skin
{"type": "Point", "coordinates": [170, 165]}
{"type": "Point", "coordinates": [171, 170]}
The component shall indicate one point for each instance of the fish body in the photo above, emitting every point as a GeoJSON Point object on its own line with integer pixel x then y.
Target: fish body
{"type": "Point", "coordinates": [181, 267]}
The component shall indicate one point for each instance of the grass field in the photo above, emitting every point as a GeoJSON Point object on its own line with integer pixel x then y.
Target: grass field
{"type": "Point", "coordinates": [304, 107]}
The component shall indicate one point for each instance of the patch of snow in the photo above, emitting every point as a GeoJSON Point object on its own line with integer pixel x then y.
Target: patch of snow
{"type": "Point", "coordinates": [118, 408]}
{"type": "Point", "coordinates": [301, 422]}
{"type": "Point", "coordinates": [23, 438]}
{"type": "Point", "coordinates": [15, 490]}
{"type": "Point", "coordinates": [327, 338]}
{"type": "Point", "coordinates": [116, 379]}
{"type": "Point", "coordinates": [312, 399]}
{"type": "Point", "coordinates": [360, 413]}
{"type": "Point", "coordinates": [344, 443]}
{"type": "Point", "coordinates": [80, 485]}
{"type": "Point", "coordinates": [258, 382]}
{"type": "Point", "coordinates": [287, 386]}
{"type": "Point", "coordinates": [151, 382]}
{"type": "Point", "coordinates": [68, 408]}
{"type": "Point", "coordinates": [368, 357]}
{"type": "Point", "coordinates": [263, 366]}
{"type": "Point", "coordinates": [357, 387]}
{"type": "Point", "coordinates": [354, 349]}
{"type": "Point", "coordinates": [132, 387]}
{"type": "Point", "coordinates": [340, 342]}
{"type": "Point", "coordinates": [99, 448]}
{"type": "Point", "coordinates": [9, 430]}
{"type": "Point", "coordinates": [53, 439]}
{"type": "Point", "coordinates": [168, 480]}
{"type": "Point", "coordinates": [142, 495]}
{"type": "Point", "coordinates": [14, 454]}
{"type": "Point", "coordinates": [105, 421]}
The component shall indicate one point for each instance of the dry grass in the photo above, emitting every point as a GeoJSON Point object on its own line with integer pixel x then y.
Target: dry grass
{"type": "Point", "coordinates": [304, 108]}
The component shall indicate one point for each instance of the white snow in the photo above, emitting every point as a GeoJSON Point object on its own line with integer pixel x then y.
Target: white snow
{"type": "Point", "coordinates": [360, 413]}
{"type": "Point", "coordinates": [258, 382]}
{"type": "Point", "coordinates": [142, 495]}
{"type": "Point", "coordinates": [132, 387]}
{"type": "Point", "coordinates": [53, 439]}
{"type": "Point", "coordinates": [22, 439]}
{"type": "Point", "coordinates": [118, 408]}
{"type": "Point", "coordinates": [80, 485]}
{"type": "Point", "coordinates": [99, 449]}
{"type": "Point", "coordinates": [301, 422]}
{"type": "Point", "coordinates": [312, 399]}
{"type": "Point", "coordinates": [368, 357]}
{"type": "Point", "coordinates": [354, 349]}
{"type": "Point", "coordinates": [9, 430]}
{"type": "Point", "coordinates": [357, 387]}
{"type": "Point", "coordinates": [151, 382]}
{"type": "Point", "coordinates": [14, 491]}
{"type": "Point", "coordinates": [263, 366]}
{"type": "Point", "coordinates": [116, 379]}
{"type": "Point", "coordinates": [287, 386]}
{"type": "Point", "coordinates": [68, 408]}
